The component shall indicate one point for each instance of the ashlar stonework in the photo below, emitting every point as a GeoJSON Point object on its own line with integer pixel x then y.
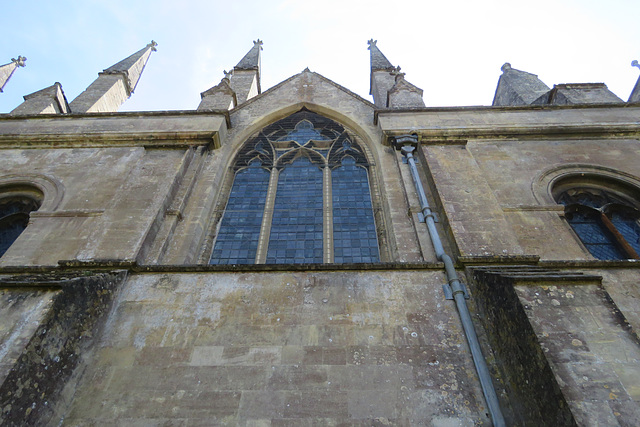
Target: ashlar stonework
{"type": "Point", "coordinates": [494, 301]}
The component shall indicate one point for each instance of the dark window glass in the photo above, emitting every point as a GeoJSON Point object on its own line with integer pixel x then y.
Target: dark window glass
{"type": "Point", "coordinates": [301, 147]}
{"type": "Point", "coordinates": [296, 229]}
{"type": "Point", "coordinates": [594, 235]}
{"type": "Point", "coordinates": [605, 224]}
{"type": "Point", "coordinates": [14, 217]}
{"type": "Point", "coordinates": [354, 230]}
{"type": "Point", "coordinates": [627, 225]}
{"type": "Point", "coordinates": [303, 133]}
{"type": "Point", "coordinates": [237, 240]}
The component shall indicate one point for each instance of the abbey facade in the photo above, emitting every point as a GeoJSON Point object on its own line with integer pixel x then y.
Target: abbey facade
{"type": "Point", "coordinates": [301, 256]}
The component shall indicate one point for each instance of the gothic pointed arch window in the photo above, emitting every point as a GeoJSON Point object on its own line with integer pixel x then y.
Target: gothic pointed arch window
{"type": "Point", "coordinates": [301, 193]}
{"type": "Point", "coordinates": [604, 215]}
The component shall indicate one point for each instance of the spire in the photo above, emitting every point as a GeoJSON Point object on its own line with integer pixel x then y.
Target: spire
{"type": "Point", "coordinates": [245, 79]}
{"type": "Point", "coordinates": [6, 71]}
{"type": "Point", "coordinates": [133, 66]}
{"type": "Point", "coordinates": [251, 61]}
{"type": "Point", "coordinates": [635, 93]}
{"type": "Point", "coordinates": [378, 60]}
{"type": "Point", "coordinates": [380, 80]}
{"type": "Point", "coordinates": [517, 87]}
{"type": "Point", "coordinates": [388, 85]}
{"type": "Point", "coordinates": [50, 100]}
{"type": "Point", "coordinates": [114, 85]}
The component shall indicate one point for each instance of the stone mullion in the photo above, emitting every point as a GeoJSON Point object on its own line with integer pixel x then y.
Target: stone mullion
{"type": "Point", "coordinates": [327, 216]}
{"type": "Point", "coordinates": [267, 217]}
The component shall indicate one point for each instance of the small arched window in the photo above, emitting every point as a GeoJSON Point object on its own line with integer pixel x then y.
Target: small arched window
{"type": "Point", "coordinates": [300, 194]}
{"type": "Point", "coordinates": [606, 221]}
{"type": "Point", "coordinates": [14, 216]}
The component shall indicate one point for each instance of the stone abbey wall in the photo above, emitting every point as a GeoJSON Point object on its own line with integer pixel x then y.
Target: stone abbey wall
{"type": "Point", "coordinates": [281, 348]}
{"type": "Point", "coordinates": [111, 315]}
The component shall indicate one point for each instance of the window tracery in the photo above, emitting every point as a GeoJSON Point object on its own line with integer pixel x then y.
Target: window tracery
{"type": "Point", "coordinates": [606, 223]}
{"type": "Point", "coordinates": [300, 194]}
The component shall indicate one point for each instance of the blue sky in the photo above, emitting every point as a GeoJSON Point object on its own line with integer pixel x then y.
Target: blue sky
{"type": "Point", "coordinates": [452, 50]}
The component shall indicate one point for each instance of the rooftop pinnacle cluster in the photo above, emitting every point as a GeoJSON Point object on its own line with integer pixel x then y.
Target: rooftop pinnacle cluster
{"type": "Point", "coordinates": [388, 87]}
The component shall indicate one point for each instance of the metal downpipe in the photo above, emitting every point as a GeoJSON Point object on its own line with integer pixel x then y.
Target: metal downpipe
{"type": "Point", "coordinates": [408, 144]}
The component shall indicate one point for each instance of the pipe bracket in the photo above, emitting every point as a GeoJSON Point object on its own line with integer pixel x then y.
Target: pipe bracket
{"type": "Point", "coordinates": [448, 292]}
{"type": "Point", "coordinates": [422, 217]}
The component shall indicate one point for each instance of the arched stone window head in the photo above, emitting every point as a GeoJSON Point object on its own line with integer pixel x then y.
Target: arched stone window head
{"type": "Point", "coordinates": [16, 202]}
{"type": "Point", "coordinates": [604, 215]}
{"type": "Point", "coordinates": [300, 194]}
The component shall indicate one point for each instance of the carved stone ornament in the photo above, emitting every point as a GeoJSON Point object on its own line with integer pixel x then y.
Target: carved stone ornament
{"type": "Point", "coordinates": [19, 61]}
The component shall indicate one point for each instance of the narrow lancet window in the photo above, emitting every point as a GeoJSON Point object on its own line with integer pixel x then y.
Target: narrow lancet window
{"type": "Point", "coordinates": [354, 231]}
{"type": "Point", "coordinates": [296, 230]}
{"type": "Point", "coordinates": [237, 240]}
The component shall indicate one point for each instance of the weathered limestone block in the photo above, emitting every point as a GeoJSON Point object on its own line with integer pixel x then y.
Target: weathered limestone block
{"type": "Point", "coordinates": [104, 95]}
{"type": "Point", "coordinates": [50, 100]}
{"type": "Point", "coordinates": [65, 313]}
{"type": "Point", "coordinates": [578, 93]}
{"type": "Point", "coordinates": [244, 84]}
{"type": "Point", "coordinates": [282, 348]}
{"type": "Point", "coordinates": [404, 94]}
{"type": "Point", "coordinates": [381, 83]}
{"type": "Point", "coordinates": [591, 350]}
{"type": "Point", "coordinates": [564, 324]}
{"type": "Point", "coordinates": [21, 311]}
{"type": "Point", "coordinates": [129, 217]}
{"type": "Point", "coordinates": [517, 87]}
{"type": "Point", "coordinates": [477, 222]}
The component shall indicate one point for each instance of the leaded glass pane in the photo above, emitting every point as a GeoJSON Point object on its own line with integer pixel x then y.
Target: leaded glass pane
{"type": "Point", "coordinates": [354, 230]}
{"type": "Point", "coordinates": [594, 235]}
{"type": "Point", "coordinates": [303, 133]}
{"type": "Point", "coordinates": [237, 240]}
{"type": "Point", "coordinates": [296, 228]}
{"type": "Point", "coordinates": [628, 227]}
{"type": "Point", "coordinates": [300, 147]}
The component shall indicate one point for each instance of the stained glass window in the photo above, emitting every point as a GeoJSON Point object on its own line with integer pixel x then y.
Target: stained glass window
{"type": "Point", "coordinates": [354, 234]}
{"type": "Point", "coordinates": [296, 229]}
{"type": "Point", "coordinates": [300, 194]}
{"type": "Point", "coordinates": [240, 228]}
{"type": "Point", "coordinates": [606, 224]}
{"type": "Point", "coordinates": [626, 223]}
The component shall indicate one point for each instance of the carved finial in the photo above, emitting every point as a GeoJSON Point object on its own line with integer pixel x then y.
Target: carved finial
{"type": "Point", "coordinates": [506, 67]}
{"type": "Point", "coordinates": [20, 61]}
{"type": "Point", "coordinates": [258, 43]}
{"type": "Point", "coordinates": [227, 74]}
{"type": "Point", "coordinates": [153, 45]}
{"type": "Point", "coordinates": [634, 63]}
{"type": "Point", "coordinates": [396, 72]}
{"type": "Point", "coordinates": [306, 70]}
{"type": "Point", "coordinates": [372, 43]}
